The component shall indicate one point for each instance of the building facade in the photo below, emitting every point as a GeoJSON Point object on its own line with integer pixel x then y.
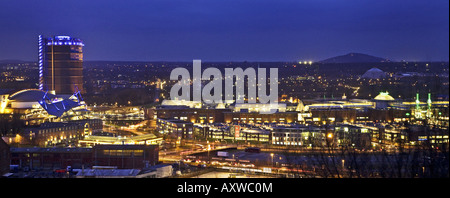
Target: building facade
{"type": "Point", "coordinates": [119, 156]}
{"type": "Point", "coordinates": [260, 118]}
{"type": "Point", "coordinates": [353, 136]}
{"type": "Point", "coordinates": [60, 64]}
{"type": "Point", "coordinates": [305, 136]}
{"type": "Point", "coordinates": [175, 128]}
{"type": "Point", "coordinates": [57, 133]}
{"type": "Point", "coordinates": [126, 156]}
{"type": "Point", "coordinates": [194, 115]}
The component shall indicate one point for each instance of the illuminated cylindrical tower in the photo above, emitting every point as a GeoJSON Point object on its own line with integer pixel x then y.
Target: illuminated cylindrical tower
{"type": "Point", "coordinates": [60, 64]}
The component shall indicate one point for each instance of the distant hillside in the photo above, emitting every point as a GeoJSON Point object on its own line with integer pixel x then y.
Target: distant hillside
{"type": "Point", "coordinates": [355, 58]}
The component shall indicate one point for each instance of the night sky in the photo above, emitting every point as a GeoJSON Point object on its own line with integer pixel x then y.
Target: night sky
{"type": "Point", "coordinates": [230, 30]}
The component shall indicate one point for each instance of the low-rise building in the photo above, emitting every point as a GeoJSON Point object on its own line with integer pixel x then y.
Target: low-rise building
{"type": "Point", "coordinates": [92, 140]}
{"type": "Point", "coordinates": [260, 118]}
{"type": "Point", "coordinates": [156, 171]}
{"type": "Point", "coordinates": [33, 158]}
{"type": "Point", "coordinates": [426, 136]}
{"type": "Point", "coordinates": [194, 115]}
{"type": "Point", "coordinates": [298, 135]}
{"type": "Point", "coordinates": [57, 133]}
{"type": "Point", "coordinates": [353, 136]}
{"type": "Point", "coordinates": [120, 156]}
{"type": "Point", "coordinates": [254, 134]}
{"type": "Point", "coordinates": [175, 128]}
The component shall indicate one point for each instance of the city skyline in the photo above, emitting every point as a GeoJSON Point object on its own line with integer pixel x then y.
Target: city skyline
{"type": "Point", "coordinates": [231, 31]}
{"type": "Point", "coordinates": [330, 89]}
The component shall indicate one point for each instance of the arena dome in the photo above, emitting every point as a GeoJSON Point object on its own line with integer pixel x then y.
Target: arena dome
{"type": "Point", "coordinates": [384, 96]}
{"type": "Point", "coordinates": [374, 73]}
{"type": "Point", "coordinates": [53, 104]}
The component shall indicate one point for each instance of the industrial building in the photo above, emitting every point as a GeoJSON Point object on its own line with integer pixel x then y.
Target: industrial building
{"type": "Point", "coordinates": [60, 64]}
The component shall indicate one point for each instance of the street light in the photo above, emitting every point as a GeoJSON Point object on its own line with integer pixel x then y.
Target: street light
{"type": "Point", "coordinates": [271, 155]}
{"type": "Point", "coordinates": [329, 139]}
{"type": "Point", "coordinates": [330, 135]}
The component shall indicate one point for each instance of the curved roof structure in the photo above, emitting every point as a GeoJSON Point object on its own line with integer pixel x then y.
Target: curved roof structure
{"type": "Point", "coordinates": [30, 95]}
{"type": "Point", "coordinates": [191, 104]}
{"type": "Point", "coordinates": [255, 131]}
{"type": "Point", "coordinates": [54, 105]}
{"type": "Point", "coordinates": [374, 73]}
{"type": "Point", "coordinates": [384, 96]}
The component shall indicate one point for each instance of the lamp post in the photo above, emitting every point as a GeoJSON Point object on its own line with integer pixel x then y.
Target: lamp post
{"type": "Point", "coordinates": [271, 155]}
{"type": "Point", "coordinates": [329, 140]}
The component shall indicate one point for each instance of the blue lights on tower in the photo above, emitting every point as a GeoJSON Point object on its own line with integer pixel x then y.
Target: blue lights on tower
{"type": "Point", "coordinates": [64, 40]}
{"type": "Point", "coordinates": [46, 56]}
{"type": "Point", "coordinates": [41, 63]}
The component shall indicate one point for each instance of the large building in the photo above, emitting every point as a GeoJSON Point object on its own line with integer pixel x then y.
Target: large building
{"type": "Point", "coordinates": [38, 104]}
{"type": "Point", "coordinates": [119, 156]}
{"type": "Point", "coordinates": [60, 64]}
{"type": "Point", "coordinates": [51, 134]}
{"type": "Point", "coordinates": [194, 115]}
{"type": "Point", "coordinates": [297, 135]}
{"type": "Point", "coordinates": [175, 128]}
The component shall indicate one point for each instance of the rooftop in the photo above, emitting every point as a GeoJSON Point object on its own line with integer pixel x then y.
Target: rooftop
{"type": "Point", "coordinates": [374, 73]}
{"type": "Point", "coordinates": [64, 40]}
{"type": "Point", "coordinates": [109, 172]}
{"type": "Point", "coordinates": [50, 150]}
{"type": "Point", "coordinates": [30, 95]}
{"type": "Point", "coordinates": [384, 96]}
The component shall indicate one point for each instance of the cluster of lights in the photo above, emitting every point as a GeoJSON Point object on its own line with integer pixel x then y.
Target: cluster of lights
{"type": "Point", "coordinates": [65, 40]}
{"type": "Point", "coordinates": [66, 43]}
{"type": "Point", "coordinates": [305, 62]}
{"type": "Point", "coordinates": [62, 37]}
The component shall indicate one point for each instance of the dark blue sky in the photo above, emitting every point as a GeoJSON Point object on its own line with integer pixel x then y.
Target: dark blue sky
{"type": "Point", "coordinates": [230, 30]}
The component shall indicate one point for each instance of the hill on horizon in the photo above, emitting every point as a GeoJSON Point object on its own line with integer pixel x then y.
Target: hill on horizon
{"type": "Point", "coordinates": [355, 58]}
